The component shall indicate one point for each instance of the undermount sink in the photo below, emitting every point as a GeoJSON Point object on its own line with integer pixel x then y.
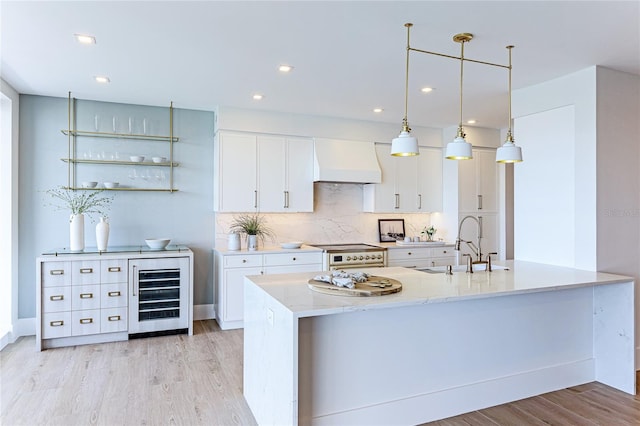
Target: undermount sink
{"type": "Point", "coordinates": [462, 268]}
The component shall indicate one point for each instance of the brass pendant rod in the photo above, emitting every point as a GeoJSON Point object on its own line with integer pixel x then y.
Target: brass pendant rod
{"type": "Point", "coordinates": [405, 123]}
{"type": "Point", "coordinates": [461, 77]}
{"type": "Point", "coordinates": [509, 132]}
{"type": "Point", "coordinates": [458, 58]}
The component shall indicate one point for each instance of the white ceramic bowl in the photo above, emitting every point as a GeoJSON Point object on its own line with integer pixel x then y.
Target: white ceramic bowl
{"type": "Point", "coordinates": [137, 158]}
{"type": "Point", "coordinates": [111, 185]}
{"type": "Point", "coordinates": [159, 159]}
{"type": "Point", "coordinates": [157, 243]}
{"type": "Point", "coordinates": [291, 245]}
{"type": "Point", "coordinates": [89, 184]}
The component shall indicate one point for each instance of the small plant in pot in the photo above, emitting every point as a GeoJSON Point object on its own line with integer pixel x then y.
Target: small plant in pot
{"type": "Point", "coordinates": [254, 226]}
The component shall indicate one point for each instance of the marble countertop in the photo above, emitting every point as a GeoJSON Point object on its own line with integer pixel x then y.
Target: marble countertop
{"type": "Point", "coordinates": [267, 250]}
{"type": "Point", "coordinates": [291, 290]}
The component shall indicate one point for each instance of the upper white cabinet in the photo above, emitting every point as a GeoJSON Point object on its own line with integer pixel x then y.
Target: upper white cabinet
{"type": "Point", "coordinates": [478, 182]}
{"type": "Point", "coordinates": [409, 184]}
{"type": "Point", "coordinates": [266, 173]}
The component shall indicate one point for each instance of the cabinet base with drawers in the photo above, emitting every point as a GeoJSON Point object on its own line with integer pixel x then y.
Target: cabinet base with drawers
{"type": "Point", "coordinates": [230, 268]}
{"type": "Point", "coordinates": [89, 297]}
{"type": "Point", "coordinates": [421, 257]}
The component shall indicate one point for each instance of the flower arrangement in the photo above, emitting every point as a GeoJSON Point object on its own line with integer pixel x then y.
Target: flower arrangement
{"type": "Point", "coordinates": [429, 232]}
{"type": "Point", "coordinates": [80, 202]}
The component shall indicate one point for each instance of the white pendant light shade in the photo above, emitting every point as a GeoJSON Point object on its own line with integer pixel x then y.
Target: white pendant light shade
{"type": "Point", "coordinates": [509, 153]}
{"type": "Point", "coordinates": [404, 145]}
{"type": "Point", "coordinates": [459, 149]}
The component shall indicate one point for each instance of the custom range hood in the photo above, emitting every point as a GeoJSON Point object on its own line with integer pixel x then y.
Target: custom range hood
{"type": "Point", "coordinates": [345, 161]}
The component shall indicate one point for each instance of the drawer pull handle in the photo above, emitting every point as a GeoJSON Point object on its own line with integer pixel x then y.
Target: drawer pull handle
{"type": "Point", "coordinates": [244, 260]}
{"type": "Point", "coordinates": [86, 295]}
{"type": "Point", "coordinates": [56, 323]}
{"type": "Point", "coordinates": [114, 293]}
{"type": "Point", "coordinates": [294, 259]}
{"type": "Point", "coordinates": [86, 320]}
{"type": "Point", "coordinates": [56, 297]}
{"type": "Point", "coordinates": [86, 270]}
{"type": "Point", "coordinates": [114, 318]}
{"type": "Point", "coordinates": [114, 269]}
{"type": "Point", "coordinates": [56, 272]}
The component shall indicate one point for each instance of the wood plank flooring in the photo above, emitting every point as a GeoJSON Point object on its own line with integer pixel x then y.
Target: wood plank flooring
{"type": "Point", "coordinates": [197, 380]}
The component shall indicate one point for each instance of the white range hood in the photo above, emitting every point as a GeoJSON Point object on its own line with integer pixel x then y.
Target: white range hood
{"type": "Point", "coordinates": [345, 161]}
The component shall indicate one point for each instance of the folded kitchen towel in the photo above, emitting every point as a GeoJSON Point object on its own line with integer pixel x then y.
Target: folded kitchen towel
{"type": "Point", "coordinates": [342, 278]}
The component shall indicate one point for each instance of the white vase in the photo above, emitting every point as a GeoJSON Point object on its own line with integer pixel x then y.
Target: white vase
{"type": "Point", "coordinates": [76, 232]}
{"type": "Point", "coordinates": [252, 242]}
{"type": "Point", "coordinates": [234, 241]}
{"type": "Point", "coordinates": [102, 234]}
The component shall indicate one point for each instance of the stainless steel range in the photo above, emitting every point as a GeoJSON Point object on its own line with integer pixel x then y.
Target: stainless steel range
{"type": "Point", "coordinates": [351, 256]}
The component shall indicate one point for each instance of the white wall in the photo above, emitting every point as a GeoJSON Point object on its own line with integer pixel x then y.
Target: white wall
{"type": "Point", "coordinates": [185, 216]}
{"type": "Point", "coordinates": [9, 226]}
{"type": "Point", "coordinates": [555, 187]}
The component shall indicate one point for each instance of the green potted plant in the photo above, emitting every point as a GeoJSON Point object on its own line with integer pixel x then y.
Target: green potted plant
{"type": "Point", "coordinates": [429, 232]}
{"type": "Point", "coordinates": [253, 225]}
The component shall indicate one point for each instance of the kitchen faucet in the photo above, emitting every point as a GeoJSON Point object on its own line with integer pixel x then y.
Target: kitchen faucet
{"type": "Point", "coordinates": [477, 250]}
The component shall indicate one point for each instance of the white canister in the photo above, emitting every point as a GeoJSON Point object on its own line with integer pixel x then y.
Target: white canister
{"type": "Point", "coordinates": [233, 241]}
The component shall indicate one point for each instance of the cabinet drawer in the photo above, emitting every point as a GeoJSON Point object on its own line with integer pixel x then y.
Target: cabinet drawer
{"type": "Point", "coordinates": [56, 274]}
{"type": "Point", "coordinates": [286, 259]}
{"type": "Point", "coordinates": [85, 322]}
{"type": "Point", "coordinates": [408, 253]}
{"type": "Point", "coordinates": [57, 324]}
{"type": "Point", "coordinates": [113, 295]}
{"type": "Point", "coordinates": [85, 297]}
{"type": "Point", "coordinates": [113, 319]}
{"type": "Point", "coordinates": [113, 271]}
{"type": "Point", "coordinates": [442, 252]}
{"type": "Point", "coordinates": [243, 261]}
{"type": "Point", "coordinates": [56, 299]}
{"type": "Point", "coordinates": [85, 272]}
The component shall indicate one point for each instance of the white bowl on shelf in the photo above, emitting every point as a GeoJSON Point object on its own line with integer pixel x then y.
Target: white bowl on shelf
{"type": "Point", "coordinates": [291, 245]}
{"type": "Point", "coordinates": [159, 159]}
{"type": "Point", "coordinates": [157, 243]}
{"type": "Point", "coordinates": [137, 158]}
{"type": "Point", "coordinates": [111, 185]}
{"type": "Point", "coordinates": [89, 184]}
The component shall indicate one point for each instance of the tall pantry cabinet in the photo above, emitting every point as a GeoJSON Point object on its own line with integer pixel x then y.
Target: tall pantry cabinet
{"type": "Point", "coordinates": [478, 197]}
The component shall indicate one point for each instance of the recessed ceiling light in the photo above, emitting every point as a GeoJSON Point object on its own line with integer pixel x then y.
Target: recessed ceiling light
{"type": "Point", "coordinates": [102, 79]}
{"type": "Point", "coordinates": [378, 110]}
{"type": "Point", "coordinates": [471, 121]}
{"type": "Point", "coordinates": [285, 68]}
{"type": "Point", "coordinates": [258, 96]}
{"type": "Point", "coordinates": [85, 39]}
{"type": "Point", "coordinates": [426, 89]}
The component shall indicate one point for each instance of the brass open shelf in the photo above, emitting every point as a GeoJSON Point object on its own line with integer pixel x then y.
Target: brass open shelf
{"type": "Point", "coordinates": [73, 188]}
{"type": "Point", "coordinates": [120, 162]}
{"type": "Point", "coordinates": [120, 135]}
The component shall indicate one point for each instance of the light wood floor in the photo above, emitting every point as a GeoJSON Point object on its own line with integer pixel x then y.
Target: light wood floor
{"type": "Point", "coordinates": [197, 380]}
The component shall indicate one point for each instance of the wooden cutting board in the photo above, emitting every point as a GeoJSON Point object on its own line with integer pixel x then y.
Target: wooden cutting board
{"type": "Point", "coordinates": [374, 286]}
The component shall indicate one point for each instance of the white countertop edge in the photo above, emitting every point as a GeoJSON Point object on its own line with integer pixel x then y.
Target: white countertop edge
{"type": "Point", "coordinates": [299, 304]}
{"type": "Point", "coordinates": [270, 250]}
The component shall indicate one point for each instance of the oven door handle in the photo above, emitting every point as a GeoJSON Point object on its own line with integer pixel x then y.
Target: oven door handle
{"type": "Point", "coordinates": [370, 265]}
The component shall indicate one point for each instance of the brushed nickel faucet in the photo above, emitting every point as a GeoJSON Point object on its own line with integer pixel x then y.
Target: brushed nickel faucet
{"type": "Point", "coordinates": [477, 250]}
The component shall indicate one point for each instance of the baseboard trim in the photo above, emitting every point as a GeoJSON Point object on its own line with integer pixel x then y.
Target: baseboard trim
{"type": "Point", "coordinates": [203, 312]}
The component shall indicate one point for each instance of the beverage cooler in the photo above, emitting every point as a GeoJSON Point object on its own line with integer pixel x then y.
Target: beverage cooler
{"type": "Point", "coordinates": [159, 296]}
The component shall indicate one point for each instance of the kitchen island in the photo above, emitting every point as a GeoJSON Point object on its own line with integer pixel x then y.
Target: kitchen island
{"type": "Point", "coordinates": [444, 345]}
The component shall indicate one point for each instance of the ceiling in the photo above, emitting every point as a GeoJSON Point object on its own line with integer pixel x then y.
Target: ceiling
{"type": "Point", "coordinates": [349, 57]}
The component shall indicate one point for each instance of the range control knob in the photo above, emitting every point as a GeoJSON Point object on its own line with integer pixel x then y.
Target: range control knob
{"type": "Point", "coordinates": [348, 257]}
{"type": "Point", "coordinates": [361, 257]}
{"type": "Point", "coordinates": [367, 257]}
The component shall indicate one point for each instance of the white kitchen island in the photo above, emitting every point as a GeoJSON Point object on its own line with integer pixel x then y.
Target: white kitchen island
{"type": "Point", "coordinates": [444, 345]}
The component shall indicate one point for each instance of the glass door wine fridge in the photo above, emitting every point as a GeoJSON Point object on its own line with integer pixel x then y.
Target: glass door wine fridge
{"type": "Point", "coordinates": [159, 296]}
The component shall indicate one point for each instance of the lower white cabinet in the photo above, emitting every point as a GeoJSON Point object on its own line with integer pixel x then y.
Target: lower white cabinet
{"type": "Point", "coordinates": [422, 257]}
{"type": "Point", "coordinates": [231, 267]}
{"type": "Point", "coordinates": [85, 297]}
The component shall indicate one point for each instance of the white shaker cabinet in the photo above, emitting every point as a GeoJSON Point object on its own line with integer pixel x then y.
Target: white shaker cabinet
{"type": "Point", "coordinates": [409, 184]}
{"type": "Point", "coordinates": [422, 257]}
{"type": "Point", "coordinates": [230, 268]}
{"type": "Point", "coordinates": [478, 182]}
{"type": "Point", "coordinates": [266, 173]}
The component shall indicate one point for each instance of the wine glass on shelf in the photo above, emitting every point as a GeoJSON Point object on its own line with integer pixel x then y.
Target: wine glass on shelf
{"type": "Point", "coordinates": [133, 175]}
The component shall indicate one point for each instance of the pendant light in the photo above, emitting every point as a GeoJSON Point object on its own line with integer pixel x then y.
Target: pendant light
{"type": "Point", "coordinates": [460, 149]}
{"type": "Point", "coordinates": [509, 152]}
{"type": "Point", "coordinates": [405, 145]}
